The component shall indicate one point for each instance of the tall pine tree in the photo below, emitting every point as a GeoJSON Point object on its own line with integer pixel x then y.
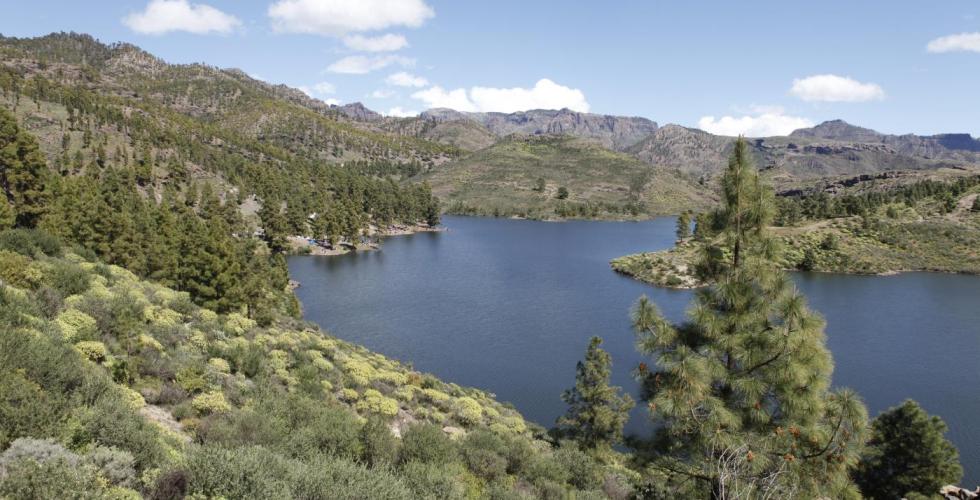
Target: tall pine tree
{"type": "Point", "coordinates": [596, 411]}
{"type": "Point", "coordinates": [23, 171]}
{"type": "Point", "coordinates": [741, 393]}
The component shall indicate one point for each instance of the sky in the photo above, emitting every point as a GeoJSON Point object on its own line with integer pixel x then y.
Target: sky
{"type": "Point", "coordinates": [751, 67]}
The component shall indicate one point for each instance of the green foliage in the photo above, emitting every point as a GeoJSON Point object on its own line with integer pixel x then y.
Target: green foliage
{"type": "Point", "coordinates": [907, 454]}
{"type": "Point", "coordinates": [683, 225]}
{"type": "Point", "coordinates": [741, 392]}
{"type": "Point", "coordinates": [562, 193]}
{"type": "Point", "coordinates": [596, 412]}
{"type": "Point", "coordinates": [426, 444]}
{"type": "Point", "coordinates": [378, 444]}
{"type": "Point", "coordinates": [23, 172]}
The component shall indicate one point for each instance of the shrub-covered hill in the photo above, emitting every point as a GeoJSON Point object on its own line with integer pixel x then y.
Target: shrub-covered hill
{"type": "Point", "coordinates": [926, 225]}
{"type": "Point", "coordinates": [526, 175]}
{"type": "Point", "coordinates": [115, 387]}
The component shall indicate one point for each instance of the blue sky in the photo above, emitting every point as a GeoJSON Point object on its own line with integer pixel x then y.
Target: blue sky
{"type": "Point", "coordinates": [755, 67]}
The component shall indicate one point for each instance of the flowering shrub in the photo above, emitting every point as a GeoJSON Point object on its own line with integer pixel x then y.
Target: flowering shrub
{"type": "Point", "coordinates": [374, 402]}
{"type": "Point", "coordinates": [210, 403]}
{"type": "Point", "coordinates": [467, 410]}
{"type": "Point", "coordinates": [76, 325]}
{"type": "Point", "coordinates": [93, 350]}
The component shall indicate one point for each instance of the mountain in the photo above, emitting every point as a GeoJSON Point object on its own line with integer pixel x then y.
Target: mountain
{"type": "Point", "coordinates": [503, 180]}
{"type": "Point", "coordinates": [961, 147]}
{"type": "Point", "coordinates": [613, 132]}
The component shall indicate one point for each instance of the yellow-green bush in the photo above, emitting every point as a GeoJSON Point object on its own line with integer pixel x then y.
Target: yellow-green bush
{"type": "Point", "coordinates": [435, 396]}
{"type": "Point", "coordinates": [16, 270]}
{"type": "Point", "coordinates": [162, 316]}
{"type": "Point", "coordinates": [150, 342]}
{"type": "Point", "coordinates": [359, 371]}
{"type": "Point", "coordinates": [133, 399]}
{"type": "Point", "coordinates": [467, 410]}
{"type": "Point", "coordinates": [210, 403]}
{"type": "Point", "coordinates": [237, 324]}
{"type": "Point", "coordinates": [374, 402]}
{"type": "Point", "coordinates": [349, 395]}
{"type": "Point", "coordinates": [75, 324]}
{"type": "Point", "coordinates": [93, 350]}
{"type": "Point", "coordinates": [219, 365]}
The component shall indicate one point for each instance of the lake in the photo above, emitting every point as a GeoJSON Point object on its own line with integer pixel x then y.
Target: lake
{"type": "Point", "coordinates": [509, 306]}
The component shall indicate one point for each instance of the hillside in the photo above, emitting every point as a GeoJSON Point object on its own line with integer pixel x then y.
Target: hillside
{"type": "Point", "coordinates": [890, 224]}
{"type": "Point", "coordinates": [141, 391]}
{"type": "Point", "coordinates": [503, 180]}
{"type": "Point", "coordinates": [828, 150]}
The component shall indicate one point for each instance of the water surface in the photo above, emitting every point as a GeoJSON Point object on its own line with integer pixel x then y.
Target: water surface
{"type": "Point", "coordinates": [509, 305]}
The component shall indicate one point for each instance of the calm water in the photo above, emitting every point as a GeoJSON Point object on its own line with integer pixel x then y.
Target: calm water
{"type": "Point", "coordinates": [509, 306]}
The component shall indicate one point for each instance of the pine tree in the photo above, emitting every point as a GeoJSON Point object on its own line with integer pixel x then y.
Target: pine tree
{"type": "Point", "coordinates": [596, 411]}
{"type": "Point", "coordinates": [907, 454]}
{"type": "Point", "coordinates": [23, 171]}
{"type": "Point", "coordinates": [741, 393]}
{"type": "Point", "coordinates": [683, 225]}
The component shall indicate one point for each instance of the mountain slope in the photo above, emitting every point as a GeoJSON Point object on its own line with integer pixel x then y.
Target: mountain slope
{"type": "Point", "coordinates": [503, 180]}
{"type": "Point", "coordinates": [612, 132]}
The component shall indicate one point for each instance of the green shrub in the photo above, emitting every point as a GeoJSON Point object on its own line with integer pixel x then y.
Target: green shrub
{"type": "Point", "coordinates": [332, 431]}
{"type": "Point", "coordinates": [343, 480]}
{"type": "Point", "coordinates": [68, 279]}
{"type": "Point", "coordinates": [28, 479]}
{"type": "Point", "coordinates": [378, 444]}
{"type": "Point", "coordinates": [30, 242]}
{"type": "Point", "coordinates": [583, 471]}
{"type": "Point", "coordinates": [115, 466]}
{"type": "Point", "coordinates": [434, 481]}
{"type": "Point", "coordinates": [426, 443]}
{"type": "Point", "coordinates": [16, 270]}
{"type": "Point", "coordinates": [250, 472]}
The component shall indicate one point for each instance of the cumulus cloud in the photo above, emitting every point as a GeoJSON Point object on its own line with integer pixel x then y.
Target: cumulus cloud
{"type": "Point", "coordinates": [963, 42]}
{"type": "Point", "coordinates": [359, 65]}
{"type": "Point", "coordinates": [340, 17]}
{"type": "Point", "coordinates": [833, 88]}
{"type": "Point", "coordinates": [403, 79]}
{"type": "Point", "coordinates": [772, 121]}
{"type": "Point", "coordinates": [163, 16]}
{"type": "Point", "coordinates": [384, 43]}
{"type": "Point", "coordinates": [545, 94]}
{"type": "Point", "coordinates": [401, 113]}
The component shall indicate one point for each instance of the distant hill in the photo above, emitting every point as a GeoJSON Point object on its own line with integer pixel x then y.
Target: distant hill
{"type": "Point", "coordinates": [503, 180]}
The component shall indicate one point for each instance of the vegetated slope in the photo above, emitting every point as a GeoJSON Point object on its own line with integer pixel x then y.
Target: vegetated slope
{"type": "Point", "coordinates": [141, 391]}
{"type": "Point", "coordinates": [912, 222]}
{"type": "Point", "coordinates": [503, 180]}
{"type": "Point", "coordinates": [228, 105]}
{"type": "Point", "coordinates": [830, 149]}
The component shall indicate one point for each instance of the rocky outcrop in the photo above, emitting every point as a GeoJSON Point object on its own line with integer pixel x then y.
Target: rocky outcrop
{"type": "Point", "coordinates": [614, 132]}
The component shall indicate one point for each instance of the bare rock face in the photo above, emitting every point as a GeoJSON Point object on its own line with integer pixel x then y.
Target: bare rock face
{"type": "Point", "coordinates": [839, 130]}
{"type": "Point", "coordinates": [951, 492]}
{"type": "Point", "coordinates": [613, 132]}
{"type": "Point", "coordinates": [959, 147]}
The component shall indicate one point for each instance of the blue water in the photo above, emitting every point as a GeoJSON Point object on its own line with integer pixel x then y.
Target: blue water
{"type": "Point", "coordinates": [509, 305]}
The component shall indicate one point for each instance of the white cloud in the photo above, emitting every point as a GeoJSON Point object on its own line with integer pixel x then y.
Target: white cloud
{"type": "Point", "coordinates": [403, 79]}
{"type": "Point", "coordinates": [772, 121]}
{"type": "Point", "coordinates": [384, 43]}
{"type": "Point", "coordinates": [545, 94]}
{"type": "Point", "coordinates": [382, 94]}
{"type": "Point", "coordinates": [437, 97]}
{"type": "Point", "coordinates": [339, 17]}
{"type": "Point", "coordinates": [318, 89]}
{"type": "Point", "coordinates": [401, 113]}
{"type": "Point", "coordinates": [359, 65]}
{"type": "Point", "coordinates": [963, 42]}
{"type": "Point", "coordinates": [833, 88]}
{"type": "Point", "coordinates": [164, 16]}
{"type": "Point", "coordinates": [332, 102]}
